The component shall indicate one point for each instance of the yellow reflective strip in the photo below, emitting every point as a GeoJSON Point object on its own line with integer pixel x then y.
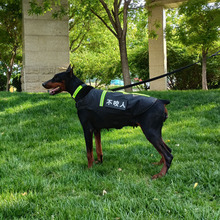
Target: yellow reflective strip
{"type": "Point", "coordinates": [102, 98]}
{"type": "Point", "coordinates": [77, 91]}
{"type": "Point", "coordinates": [132, 93]}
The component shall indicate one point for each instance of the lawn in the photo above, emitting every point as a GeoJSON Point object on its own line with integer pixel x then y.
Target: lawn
{"type": "Point", "coordinates": [43, 164]}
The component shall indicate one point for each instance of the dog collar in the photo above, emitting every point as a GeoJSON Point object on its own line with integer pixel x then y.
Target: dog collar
{"type": "Point", "coordinates": [78, 89]}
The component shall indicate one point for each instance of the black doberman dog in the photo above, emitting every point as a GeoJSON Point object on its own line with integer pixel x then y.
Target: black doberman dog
{"type": "Point", "coordinates": [98, 109]}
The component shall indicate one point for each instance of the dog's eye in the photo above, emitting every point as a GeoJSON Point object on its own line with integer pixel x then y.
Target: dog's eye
{"type": "Point", "coordinates": [56, 78]}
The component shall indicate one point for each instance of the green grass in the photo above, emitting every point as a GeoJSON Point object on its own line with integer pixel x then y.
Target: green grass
{"type": "Point", "coordinates": [43, 164]}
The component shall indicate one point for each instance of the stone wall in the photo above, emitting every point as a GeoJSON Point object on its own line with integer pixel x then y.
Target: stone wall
{"type": "Point", "coordinates": [157, 46]}
{"type": "Point", "coordinates": [45, 47]}
{"type": "Point", "coordinates": [157, 49]}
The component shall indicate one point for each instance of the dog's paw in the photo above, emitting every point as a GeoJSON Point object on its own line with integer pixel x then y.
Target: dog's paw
{"type": "Point", "coordinates": [159, 175]}
{"type": "Point", "coordinates": [99, 161]}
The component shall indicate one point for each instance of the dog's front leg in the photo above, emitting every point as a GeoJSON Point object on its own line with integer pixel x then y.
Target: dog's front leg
{"type": "Point", "coordinates": [98, 146]}
{"type": "Point", "coordinates": [88, 133]}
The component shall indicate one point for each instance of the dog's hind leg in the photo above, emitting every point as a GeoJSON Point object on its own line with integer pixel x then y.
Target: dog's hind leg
{"type": "Point", "coordinates": [160, 162]}
{"type": "Point", "coordinates": [156, 140]}
{"type": "Point", "coordinates": [88, 133]}
{"type": "Point", "coordinates": [151, 126]}
{"type": "Point", "coordinates": [98, 146]}
{"type": "Point", "coordinates": [167, 147]}
{"type": "Point", "coordinates": [162, 159]}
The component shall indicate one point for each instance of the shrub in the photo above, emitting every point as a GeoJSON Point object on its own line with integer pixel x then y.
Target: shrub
{"type": "Point", "coordinates": [191, 78]}
{"type": "Point", "coordinates": [3, 80]}
{"type": "Point", "coordinates": [16, 82]}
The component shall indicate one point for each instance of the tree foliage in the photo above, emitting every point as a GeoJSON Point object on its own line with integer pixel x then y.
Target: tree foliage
{"type": "Point", "coordinates": [3, 78]}
{"type": "Point", "coordinates": [44, 6]}
{"type": "Point", "coordinates": [99, 55]}
{"type": "Point", "coordinates": [199, 28]}
{"type": "Point", "coordinates": [11, 35]}
{"type": "Point", "coordinates": [181, 54]}
{"type": "Point", "coordinates": [80, 24]}
{"type": "Point", "coordinates": [114, 15]}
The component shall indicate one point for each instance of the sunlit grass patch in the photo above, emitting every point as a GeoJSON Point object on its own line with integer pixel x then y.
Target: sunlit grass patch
{"type": "Point", "coordinates": [43, 164]}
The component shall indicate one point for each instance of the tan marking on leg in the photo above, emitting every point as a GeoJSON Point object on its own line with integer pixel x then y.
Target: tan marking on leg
{"type": "Point", "coordinates": [98, 147]}
{"type": "Point", "coordinates": [90, 159]}
{"type": "Point", "coordinates": [159, 163]}
{"type": "Point", "coordinates": [163, 170]}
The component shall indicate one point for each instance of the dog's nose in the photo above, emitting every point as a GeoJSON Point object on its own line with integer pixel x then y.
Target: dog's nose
{"type": "Point", "coordinates": [44, 84]}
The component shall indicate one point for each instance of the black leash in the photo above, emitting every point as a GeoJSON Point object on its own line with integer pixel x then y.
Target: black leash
{"type": "Point", "coordinates": [161, 76]}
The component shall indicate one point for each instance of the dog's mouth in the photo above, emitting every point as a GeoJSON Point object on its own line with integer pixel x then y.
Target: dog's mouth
{"type": "Point", "coordinates": [55, 91]}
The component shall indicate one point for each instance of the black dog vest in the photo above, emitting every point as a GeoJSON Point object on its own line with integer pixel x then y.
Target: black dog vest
{"type": "Point", "coordinates": [115, 103]}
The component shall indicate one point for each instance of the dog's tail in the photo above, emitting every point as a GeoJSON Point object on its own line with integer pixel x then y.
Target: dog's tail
{"type": "Point", "coordinates": [165, 102]}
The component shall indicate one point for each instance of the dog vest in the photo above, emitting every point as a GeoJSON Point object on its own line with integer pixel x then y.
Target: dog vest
{"type": "Point", "coordinates": [115, 103]}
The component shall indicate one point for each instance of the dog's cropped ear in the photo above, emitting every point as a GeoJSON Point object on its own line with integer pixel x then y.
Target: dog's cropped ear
{"type": "Point", "coordinates": [70, 71]}
{"type": "Point", "coordinates": [69, 68]}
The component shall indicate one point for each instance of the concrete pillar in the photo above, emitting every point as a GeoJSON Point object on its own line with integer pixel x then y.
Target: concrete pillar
{"type": "Point", "coordinates": [157, 48]}
{"type": "Point", "coordinates": [45, 47]}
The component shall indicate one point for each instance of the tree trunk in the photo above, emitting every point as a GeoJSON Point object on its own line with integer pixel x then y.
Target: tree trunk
{"type": "Point", "coordinates": [8, 81]}
{"type": "Point", "coordinates": [204, 75]}
{"type": "Point", "coordinates": [124, 63]}
{"type": "Point", "coordinates": [10, 68]}
{"type": "Point", "coordinates": [119, 32]}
